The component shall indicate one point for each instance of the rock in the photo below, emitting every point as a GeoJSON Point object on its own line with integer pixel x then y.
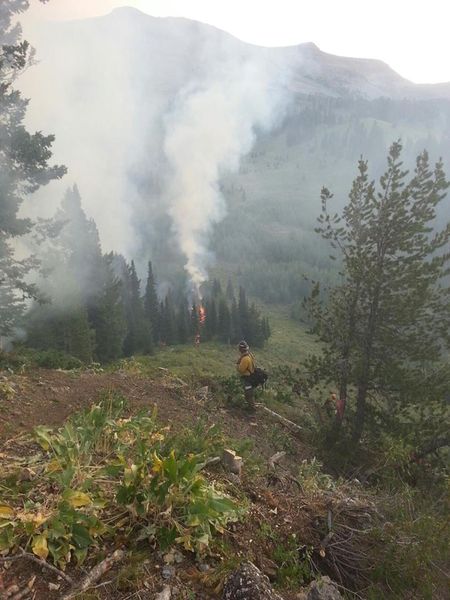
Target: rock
{"type": "Point", "coordinates": [248, 583]}
{"type": "Point", "coordinates": [323, 589]}
{"type": "Point", "coordinates": [271, 572]}
{"type": "Point", "coordinates": [203, 392]}
{"type": "Point", "coordinates": [232, 462]}
{"type": "Point", "coordinates": [167, 572]}
{"type": "Point", "coordinates": [53, 586]}
{"type": "Point", "coordinates": [166, 594]}
{"type": "Point", "coordinates": [204, 567]}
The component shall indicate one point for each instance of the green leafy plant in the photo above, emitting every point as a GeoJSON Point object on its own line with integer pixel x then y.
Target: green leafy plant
{"type": "Point", "coordinates": [293, 560]}
{"type": "Point", "coordinates": [312, 477]}
{"type": "Point", "coordinates": [103, 474]}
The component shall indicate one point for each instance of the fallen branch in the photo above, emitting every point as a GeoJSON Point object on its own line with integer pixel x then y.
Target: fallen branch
{"type": "Point", "coordinates": [97, 572]}
{"type": "Point", "coordinates": [280, 417]}
{"type": "Point", "coordinates": [275, 459]}
{"type": "Point", "coordinates": [26, 591]}
{"type": "Point", "coordinates": [39, 561]}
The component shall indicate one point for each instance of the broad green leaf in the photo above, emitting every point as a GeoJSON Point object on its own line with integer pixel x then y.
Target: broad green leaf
{"type": "Point", "coordinates": [203, 540]}
{"type": "Point", "coordinates": [53, 466]}
{"type": "Point", "coordinates": [77, 498]}
{"type": "Point", "coordinates": [80, 536]}
{"type": "Point", "coordinates": [80, 554]}
{"type": "Point", "coordinates": [40, 547]}
{"type": "Point", "coordinates": [171, 467]}
{"type": "Point", "coordinates": [193, 521]}
{"type": "Point", "coordinates": [222, 505]}
{"type": "Point", "coordinates": [157, 463]}
{"type": "Point", "coordinates": [43, 437]}
{"type": "Point", "coordinates": [6, 512]}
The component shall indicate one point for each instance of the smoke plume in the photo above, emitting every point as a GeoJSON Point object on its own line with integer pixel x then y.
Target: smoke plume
{"type": "Point", "coordinates": [148, 115]}
{"type": "Point", "coordinates": [208, 132]}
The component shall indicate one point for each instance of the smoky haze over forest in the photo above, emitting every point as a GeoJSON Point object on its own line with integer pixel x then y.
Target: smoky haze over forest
{"type": "Point", "coordinates": [193, 148]}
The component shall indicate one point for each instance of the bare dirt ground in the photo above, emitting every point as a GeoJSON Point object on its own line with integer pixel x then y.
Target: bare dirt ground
{"type": "Point", "coordinates": [49, 397]}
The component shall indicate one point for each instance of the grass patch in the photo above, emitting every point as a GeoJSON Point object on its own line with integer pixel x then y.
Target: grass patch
{"type": "Point", "coordinates": [288, 346]}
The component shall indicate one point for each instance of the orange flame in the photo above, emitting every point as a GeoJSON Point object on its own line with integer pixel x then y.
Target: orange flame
{"type": "Point", "coordinates": [202, 315]}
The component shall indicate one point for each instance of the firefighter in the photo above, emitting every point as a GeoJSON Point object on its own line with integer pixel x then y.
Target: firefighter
{"type": "Point", "coordinates": [246, 367]}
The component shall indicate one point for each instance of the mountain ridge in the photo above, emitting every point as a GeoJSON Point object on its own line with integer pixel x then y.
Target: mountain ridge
{"type": "Point", "coordinates": [368, 77]}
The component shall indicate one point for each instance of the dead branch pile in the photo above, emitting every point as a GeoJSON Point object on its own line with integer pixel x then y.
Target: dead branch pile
{"type": "Point", "coordinates": [346, 525]}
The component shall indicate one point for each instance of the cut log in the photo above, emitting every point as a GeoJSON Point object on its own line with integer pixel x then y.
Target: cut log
{"type": "Point", "coordinates": [232, 462]}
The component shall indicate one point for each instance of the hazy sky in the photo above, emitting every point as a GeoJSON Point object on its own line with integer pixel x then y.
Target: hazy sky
{"type": "Point", "coordinates": [410, 35]}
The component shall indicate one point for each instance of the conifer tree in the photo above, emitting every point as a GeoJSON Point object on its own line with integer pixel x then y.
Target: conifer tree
{"type": "Point", "coordinates": [138, 338]}
{"type": "Point", "coordinates": [224, 322]}
{"type": "Point", "coordinates": [216, 288]}
{"type": "Point", "coordinates": [110, 325]}
{"type": "Point", "coordinates": [24, 166]}
{"type": "Point", "coordinates": [230, 291]}
{"type": "Point", "coordinates": [210, 327]}
{"type": "Point", "coordinates": [183, 322]}
{"type": "Point", "coordinates": [255, 328]}
{"type": "Point", "coordinates": [76, 333]}
{"type": "Point", "coordinates": [151, 304]}
{"type": "Point", "coordinates": [168, 321]}
{"type": "Point", "coordinates": [391, 315]}
{"type": "Point", "coordinates": [195, 321]}
{"type": "Point", "coordinates": [244, 314]}
{"type": "Point", "coordinates": [236, 330]}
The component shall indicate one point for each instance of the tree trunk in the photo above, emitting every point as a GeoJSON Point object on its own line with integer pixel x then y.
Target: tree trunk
{"type": "Point", "coordinates": [363, 384]}
{"type": "Point", "coordinates": [360, 418]}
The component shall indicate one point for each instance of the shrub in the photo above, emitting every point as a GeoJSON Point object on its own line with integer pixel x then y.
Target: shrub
{"type": "Point", "coordinates": [55, 359]}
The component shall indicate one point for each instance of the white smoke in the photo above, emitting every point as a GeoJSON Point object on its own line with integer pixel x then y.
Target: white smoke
{"type": "Point", "coordinates": [148, 114]}
{"type": "Point", "coordinates": [208, 132]}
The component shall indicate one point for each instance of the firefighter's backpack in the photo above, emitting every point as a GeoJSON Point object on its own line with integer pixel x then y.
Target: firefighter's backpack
{"type": "Point", "coordinates": [259, 377]}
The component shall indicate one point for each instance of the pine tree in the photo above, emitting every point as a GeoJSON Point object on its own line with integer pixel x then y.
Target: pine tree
{"type": "Point", "coordinates": [76, 269]}
{"type": "Point", "coordinates": [110, 325]}
{"type": "Point", "coordinates": [244, 314]}
{"type": "Point", "coordinates": [255, 335]}
{"type": "Point", "coordinates": [236, 329]}
{"type": "Point", "coordinates": [151, 304]}
{"type": "Point", "coordinates": [77, 335]}
{"type": "Point", "coordinates": [183, 322]}
{"type": "Point", "coordinates": [138, 338]}
{"type": "Point", "coordinates": [210, 326]}
{"type": "Point", "coordinates": [24, 167]}
{"type": "Point", "coordinates": [230, 291]}
{"type": "Point", "coordinates": [168, 322]}
{"type": "Point", "coordinates": [391, 315]}
{"type": "Point", "coordinates": [216, 289]}
{"type": "Point", "coordinates": [79, 241]}
{"type": "Point", "coordinates": [224, 322]}
{"type": "Point", "coordinates": [63, 327]}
